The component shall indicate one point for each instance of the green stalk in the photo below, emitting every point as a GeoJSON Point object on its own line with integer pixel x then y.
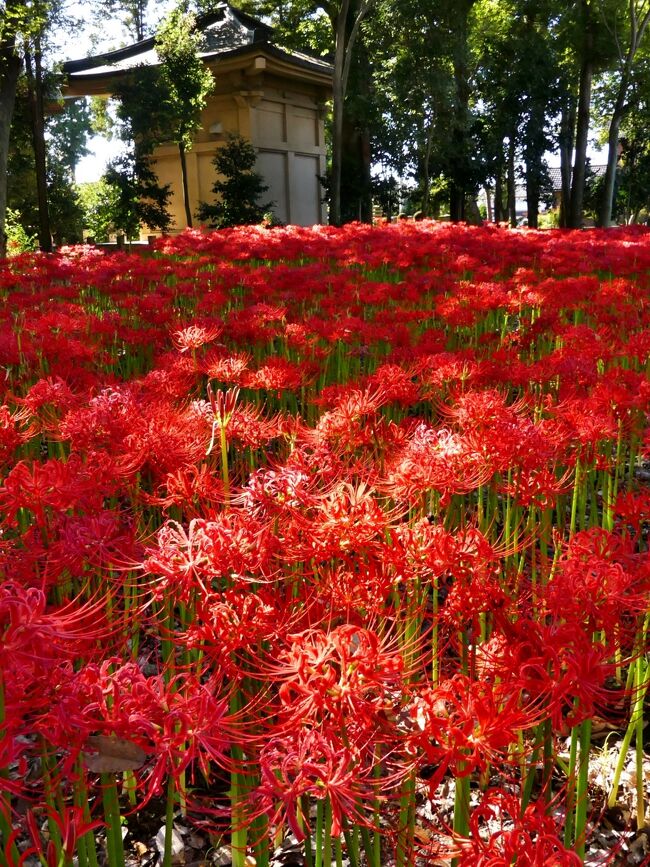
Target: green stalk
{"type": "Point", "coordinates": [406, 823]}
{"type": "Point", "coordinates": [50, 799]}
{"type": "Point", "coordinates": [640, 671]}
{"type": "Point", "coordinates": [352, 846]}
{"type": "Point", "coordinates": [576, 496]}
{"type": "Point", "coordinates": [224, 465]}
{"type": "Point", "coordinates": [547, 773]}
{"type": "Point", "coordinates": [238, 831]}
{"type": "Point", "coordinates": [582, 798]}
{"type": "Point", "coordinates": [641, 688]}
{"type": "Point", "coordinates": [461, 810]}
{"type": "Point", "coordinates": [81, 794]}
{"type": "Point", "coordinates": [10, 854]}
{"type": "Point", "coordinates": [435, 663]}
{"type": "Point", "coordinates": [303, 819]}
{"type": "Point", "coordinates": [327, 847]}
{"type": "Point", "coordinates": [113, 820]}
{"type": "Point", "coordinates": [169, 822]}
{"type": "Point", "coordinates": [318, 860]}
{"type": "Point", "coordinates": [260, 834]}
{"type": "Point", "coordinates": [571, 790]}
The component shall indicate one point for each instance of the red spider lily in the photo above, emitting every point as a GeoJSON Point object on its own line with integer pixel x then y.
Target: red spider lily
{"type": "Point", "coordinates": [282, 492]}
{"type": "Point", "coordinates": [13, 432]}
{"type": "Point", "coordinates": [232, 545]}
{"type": "Point", "coordinates": [226, 367]}
{"type": "Point", "coordinates": [72, 825]}
{"type": "Point", "coordinates": [191, 488]}
{"type": "Point", "coordinates": [192, 337]}
{"type": "Point", "coordinates": [531, 839]}
{"type": "Point", "coordinates": [307, 762]}
{"type": "Point", "coordinates": [35, 634]}
{"type": "Point", "coordinates": [178, 722]}
{"type": "Point", "coordinates": [463, 726]}
{"type": "Point", "coordinates": [101, 540]}
{"type": "Point", "coordinates": [349, 518]}
{"type": "Point", "coordinates": [226, 624]}
{"type": "Point", "coordinates": [556, 665]}
{"type": "Point", "coordinates": [53, 485]}
{"type": "Point", "coordinates": [600, 584]}
{"type": "Point", "coordinates": [278, 374]}
{"type": "Point", "coordinates": [347, 673]}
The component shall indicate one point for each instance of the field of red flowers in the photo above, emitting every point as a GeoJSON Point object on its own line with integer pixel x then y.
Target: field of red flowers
{"type": "Point", "coordinates": [329, 535]}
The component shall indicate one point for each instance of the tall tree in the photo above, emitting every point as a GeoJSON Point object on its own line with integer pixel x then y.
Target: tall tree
{"type": "Point", "coordinates": [13, 20]}
{"type": "Point", "coordinates": [33, 55]}
{"type": "Point", "coordinates": [297, 19]}
{"type": "Point", "coordinates": [186, 83]}
{"type": "Point", "coordinates": [143, 122]}
{"type": "Point", "coordinates": [583, 112]}
{"type": "Point", "coordinates": [634, 27]}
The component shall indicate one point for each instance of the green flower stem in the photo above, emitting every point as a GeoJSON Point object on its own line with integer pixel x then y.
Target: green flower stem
{"type": "Point", "coordinates": [461, 809]}
{"type": "Point", "coordinates": [569, 824]}
{"type": "Point", "coordinates": [576, 497]}
{"type": "Point", "coordinates": [582, 793]}
{"type": "Point", "coordinates": [81, 795]}
{"type": "Point", "coordinates": [113, 820]}
{"type": "Point", "coordinates": [318, 860]}
{"type": "Point", "coordinates": [435, 660]}
{"type": "Point", "coordinates": [224, 465]}
{"type": "Point", "coordinates": [303, 821]}
{"type": "Point", "coordinates": [641, 688]}
{"type": "Point", "coordinates": [169, 822]}
{"type": "Point", "coordinates": [406, 824]}
{"type": "Point", "coordinates": [10, 852]}
{"type": "Point", "coordinates": [238, 830]}
{"type": "Point", "coordinates": [327, 846]}
{"type": "Point", "coordinates": [351, 845]}
{"type": "Point", "coordinates": [260, 836]}
{"type": "Point", "coordinates": [50, 797]}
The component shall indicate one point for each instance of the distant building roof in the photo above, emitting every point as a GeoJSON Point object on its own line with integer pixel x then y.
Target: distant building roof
{"type": "Point", "coordinates": [555, 175]}
{"type": "Point", "coordinates": [227, 32]}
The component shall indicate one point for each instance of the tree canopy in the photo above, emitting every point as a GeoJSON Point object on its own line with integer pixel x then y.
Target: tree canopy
{"type": "Point", "coordinates": [441, 98]}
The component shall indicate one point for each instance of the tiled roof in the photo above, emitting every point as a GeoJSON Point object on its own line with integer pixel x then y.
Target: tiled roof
{"type": "Point", "coordinates": [227, 32]}
{"type": "Point", "coordinates": [555, 175]}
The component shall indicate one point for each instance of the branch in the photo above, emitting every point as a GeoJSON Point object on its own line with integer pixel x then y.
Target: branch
{"type": "Point", "coordinates": [363, 10]}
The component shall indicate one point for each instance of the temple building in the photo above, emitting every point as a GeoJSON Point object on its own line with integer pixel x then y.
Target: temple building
{"type": "Point", "coordinates": [273, 97]}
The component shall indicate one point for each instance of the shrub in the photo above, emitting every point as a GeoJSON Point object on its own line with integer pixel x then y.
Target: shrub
{"type": "Point", "coordinates": [239, 187]}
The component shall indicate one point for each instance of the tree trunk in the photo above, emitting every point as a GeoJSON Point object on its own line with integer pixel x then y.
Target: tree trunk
{"type": "Point", "coordinates": [607, 200]}
{"type": "Point", "coordinates": [186, 192]}
{"type": "Point", "coordinates": [582, 129]}
{"type": "Point", "coordinates": [456, 202]}
{"type": "Point", "coordinates": [9, 71]}
{"type": "Point", "coordinates": [34, 72]}
{"type": "Point", "coordinates": [488, 203]}
{"type": "Point", "coordinates": [338, 96]}
{"type": "Point", "coordinates": [426, 180]}
{"type": "Point", "coordinates": [512, 184]}
{"type": "Point", "coordinates": [458, 187]}
{"type": "Point", "coordinates": [532, 194]}
{"type": "Point", "coordinates": [637, 30]}
{"type": "Point", "coordinates": [567, 130]}
{"type": "Point", "coordinates": [499, 214]}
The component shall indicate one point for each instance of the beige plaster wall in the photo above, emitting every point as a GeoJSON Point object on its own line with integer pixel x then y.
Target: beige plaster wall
{"type": "Point", "coordinates": [286, 128]}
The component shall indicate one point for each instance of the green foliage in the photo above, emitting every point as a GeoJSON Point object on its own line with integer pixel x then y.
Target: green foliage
{"type": "Point", "coordinates": [66, 136]}
{"type": "Point", "coordinates": [185, 80]}
{"type": "Point", "coordinates": [68, 130]}
{"type": "Point", "coordinates": [18, 240]}
{"type": "Point", "coordinates": [138, 197]}
{"type": "Point", "coordinates": [99, 202]}
{"type": "Point", "coordinates": [239, 188]}
{"type": "Point", "coordinates": [143, 115]}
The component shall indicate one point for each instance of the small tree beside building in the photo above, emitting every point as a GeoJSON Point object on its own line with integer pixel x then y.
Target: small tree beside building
{"type": "Point", "coordinates": [239, 187]}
